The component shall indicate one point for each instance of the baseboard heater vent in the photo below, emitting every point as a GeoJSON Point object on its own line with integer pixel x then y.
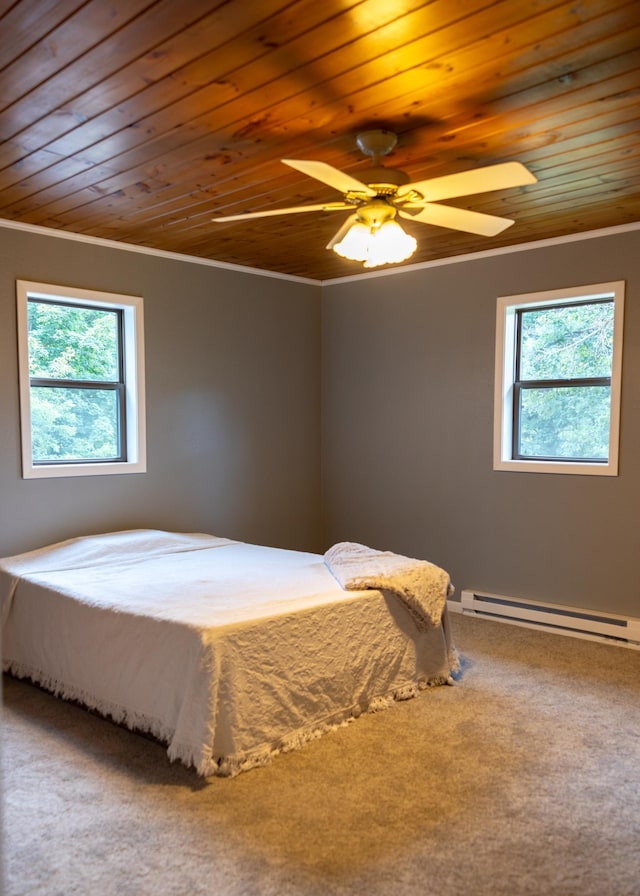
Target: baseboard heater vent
{"type": "Point", "coordinates": [562, 620]}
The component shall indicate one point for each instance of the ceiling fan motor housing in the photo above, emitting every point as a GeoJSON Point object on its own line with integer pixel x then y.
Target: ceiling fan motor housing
{"type": "Point", "coordinates": [385, 181]}
{"type": "Point", "coordinates": [375, 213]}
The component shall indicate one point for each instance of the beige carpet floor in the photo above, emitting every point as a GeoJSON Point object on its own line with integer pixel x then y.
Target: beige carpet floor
{"type": "Point", "coordinates": [522, 779]}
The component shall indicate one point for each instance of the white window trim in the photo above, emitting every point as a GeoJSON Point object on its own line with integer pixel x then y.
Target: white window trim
{"type": "Point", "coordinates": [132, 308]}
{"type": "Point", "coordinates": [504, 374]}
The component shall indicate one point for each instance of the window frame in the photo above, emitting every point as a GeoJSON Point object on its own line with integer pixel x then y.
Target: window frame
{"type": "Point", "coordinates": [130, 309]}
{"type": "Point", "coordinates": [505, 389]}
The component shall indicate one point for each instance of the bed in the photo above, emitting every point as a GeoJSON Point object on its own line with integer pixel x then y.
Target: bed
{"type": "Point", "coordinates": [227, 652]}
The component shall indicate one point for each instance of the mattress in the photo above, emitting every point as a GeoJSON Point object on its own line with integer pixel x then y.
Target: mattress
{"type": "Point", "coordinates": [226, 651]}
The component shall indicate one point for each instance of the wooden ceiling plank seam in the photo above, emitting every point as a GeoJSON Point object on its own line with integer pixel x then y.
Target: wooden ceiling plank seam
{"type": "Point", "coordinates": [587, 184]}
{"type": "Point", "coordinates": [575, 148]}
{"type": "Point", "coordinates": [624, 45]}
{"type": "Point", "coordinates": [482, 123]}
{"type": "Point", "coordinates": [196, 45]}
{"type": "Point", "coordinates": [70, 42]}
{"type": "Point", "coordinates": [620, 179]}
{"type": "Point", "coordinates": [207, 130]}
{"type": "Point", "coordinates": [621, 176]}
{"type": "Point", "coordinates": [581, 138]}
{"type": "Point", "coordinates": [583, 142]}
{"type": "Point", "coordinates": [570, 203]}
{"type": "Point", "coordinates": [189, 113]}
{"type": "Point", "coordinates": [95, 211]}
{"type": "Point", "coordinates": [348, 50]}
{"type": "Point", "coordinates": [194, 215]}
{"type": "Point", "coordinates": [103, 58]}
{"type": "Point", "coordinates": [242, 199]}
{"type": "Point", "coordinates": [330, 124]}
{"type": "Point", "coordinates": [28, 22]}
{"type": "Point", "coordinates": [109, 172]}
{"type": "Point", "coordinates": [604, 74]}
{"type": "Point", "coordinates": [586, 105]}
{"type": "Point", "coordinates": [562, 46]}
{"type": "Point", "coordinates": [482, 203]}
{"type": "Point", "coordinates": [606, 163]}
{"type": "Point", "coordinates": [599, 85]}
{"type": "Point", "coordinates": [408, 69]}
{"type": "Point", "coordinates": [196, 218]}
{"type": "Point", "coordinates": [171, 125]}
{"type": "Point", "coordinates": [102, 125]}
{"type": "Point", "coordinates": [7, 6]}
{"type": "Point", "coordinates": [545, 116]}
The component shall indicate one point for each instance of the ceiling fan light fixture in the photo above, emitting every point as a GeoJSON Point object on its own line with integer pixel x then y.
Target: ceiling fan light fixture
{"type": "Point", "coordinates": [374, 246]}
{"type": "Point", "coordinates": [370, 234]}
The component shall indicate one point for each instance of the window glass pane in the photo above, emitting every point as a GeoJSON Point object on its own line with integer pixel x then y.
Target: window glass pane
{"type": "Point", "coordinates": [74, 424]}
{"type": "Point", "coordinates": [567, 422]}
{"type": "Point", "coordinates": [567, 342]}
{"type": "Point", "coordinates": [71, 342]}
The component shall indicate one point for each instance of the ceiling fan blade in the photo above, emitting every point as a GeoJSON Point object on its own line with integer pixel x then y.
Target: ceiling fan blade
{"type": "Point", "coordinates": [480, 180]}
{"type": "Point", "coordinates": [324, 207]}
{"type": "Point", "coordinates": [339, 235]}
{"type": "Point", "coordinates": [459, 219]}
{"type": "Point", "coordinates": [335, 178]}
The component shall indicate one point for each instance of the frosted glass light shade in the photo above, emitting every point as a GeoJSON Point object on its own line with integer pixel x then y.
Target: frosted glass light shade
{"type": "Point", "coordinates": [355, 243]}
{"type": "Point", "coordinates": [387, 244]}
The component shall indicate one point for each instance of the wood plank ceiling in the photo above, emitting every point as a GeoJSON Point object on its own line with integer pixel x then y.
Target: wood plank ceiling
{"type": "Point", "coordinates": [139, 121]}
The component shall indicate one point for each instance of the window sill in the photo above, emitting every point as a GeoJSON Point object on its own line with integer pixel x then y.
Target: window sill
{"type": "Point", "coordinates": [56, 471]}
{"type": "Point", "coordinates": [553, 466]}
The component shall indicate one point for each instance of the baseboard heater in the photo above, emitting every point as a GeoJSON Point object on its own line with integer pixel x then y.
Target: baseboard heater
{"type": "Point", "coordinates": [579, 623]}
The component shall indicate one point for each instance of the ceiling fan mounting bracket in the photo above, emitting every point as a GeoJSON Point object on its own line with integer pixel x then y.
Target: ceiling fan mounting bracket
{"type": "Point", "coordinates": [376, 143]}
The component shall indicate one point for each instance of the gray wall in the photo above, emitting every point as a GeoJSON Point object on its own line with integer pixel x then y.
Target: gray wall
{"type": "Point", "coordinates": [233, 392]}
{"type": "Point", "coordinates": [234, 370]}
{"type": "Point", "coordinates": [408, 364]}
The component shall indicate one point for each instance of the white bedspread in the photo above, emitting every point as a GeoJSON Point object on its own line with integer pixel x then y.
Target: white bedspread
{"type": "Point", "coordinates": [228, 652]}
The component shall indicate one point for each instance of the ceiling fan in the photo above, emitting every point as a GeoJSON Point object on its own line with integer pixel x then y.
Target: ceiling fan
{"type": "Point", "coordinates": [385, 192]}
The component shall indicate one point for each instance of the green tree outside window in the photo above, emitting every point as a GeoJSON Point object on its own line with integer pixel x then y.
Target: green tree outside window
{"type": "Point", "coordinates": [75, 368]}
{"type": "Point", "coordinates": [564, 357]}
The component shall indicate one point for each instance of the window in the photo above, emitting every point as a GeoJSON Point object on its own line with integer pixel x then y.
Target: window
{"type": "Point", "coordinates": [81, 381]}
{"type": "Point", "coordinates": [557, 383]}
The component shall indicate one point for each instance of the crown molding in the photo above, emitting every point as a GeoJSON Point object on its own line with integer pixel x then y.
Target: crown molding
{"type": "Point", "coordinates": [145, 250]}
{"type": "Point", "coordinates": [489, 253]}
{"type": "Point", "coordinates": [384, 272]}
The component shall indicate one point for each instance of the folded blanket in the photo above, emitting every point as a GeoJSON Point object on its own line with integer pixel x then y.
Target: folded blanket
{"type": "Point", "coordinates": [421, 586]}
